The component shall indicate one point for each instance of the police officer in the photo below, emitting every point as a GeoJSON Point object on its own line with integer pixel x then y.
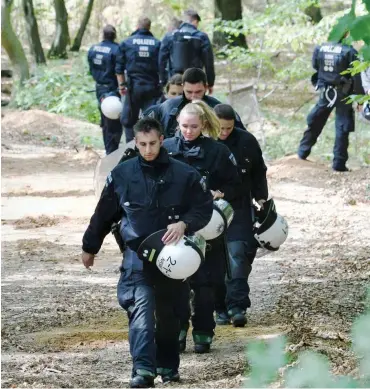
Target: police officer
{"type": "Point", "coordinates": [102, 62]}
{"type": "Point", "coordinates": [330, 60]}
{"type": "Point", "coordinates": [194, 82]}
{"type": "Point", "coordinates": [187, 47]}
{"type": "Point", "coordinates": [195, 145]}
{"type": "Point", "coordinates": [148, 192]}
{"type": "Point", "coordinates": [241, 243]}
{"type": "Point", "coordinates": [137, 74]}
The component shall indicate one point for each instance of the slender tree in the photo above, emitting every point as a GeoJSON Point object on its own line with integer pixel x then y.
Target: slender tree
{"type": "Point", "coordinates": [33, 31]}
{"type": "Point", "coordinates": [61, 39]}
{"type": "Point", "coordinates": [228, 10]}
{"type": "Point", "coordinates": [314, 12]}
{"type": "Point", "coordinates": [78, 40]}
{"type": "Point", "coordinates": [11, 43]}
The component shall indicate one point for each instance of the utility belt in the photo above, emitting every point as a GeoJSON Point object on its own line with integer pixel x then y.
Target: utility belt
{"type": "Point", "coordinates": [331, 91]}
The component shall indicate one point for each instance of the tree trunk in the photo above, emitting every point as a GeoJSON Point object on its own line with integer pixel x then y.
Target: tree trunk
{"type": "Point", "coordinates": [33, 31]}
{"type": "Point", "coordinates": [78, 40]}
{"type": "Point", "coordinates": [229, 10]}
{"type": "Point", "coordinates": [11, 43]}
{"type": "Point", "coordinates": [314, 12]}
{"type": "Point", "coordinates": [61, 39]}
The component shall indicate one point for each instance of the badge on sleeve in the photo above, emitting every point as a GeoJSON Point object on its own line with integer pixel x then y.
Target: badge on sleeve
{"type": "Point", "coordinates": [203, 184]}
{"type": "Point", "coordinates": [108, 180]}
{"type": "Point", "coordinates": [232, 159]}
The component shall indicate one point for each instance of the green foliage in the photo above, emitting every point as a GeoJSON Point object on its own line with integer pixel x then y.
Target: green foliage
{"type": "Point", "coordinates": [311, 370]}
{"type": "Point", "coordinates": [61, 91]}
{"type": "Point", "coordinates": [357, 26]}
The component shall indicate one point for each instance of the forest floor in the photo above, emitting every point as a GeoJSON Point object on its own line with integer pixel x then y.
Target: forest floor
{"type": "Point", "coordinates": [62, 325]}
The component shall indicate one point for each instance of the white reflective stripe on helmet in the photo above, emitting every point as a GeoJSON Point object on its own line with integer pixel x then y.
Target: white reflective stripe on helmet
{"type": "Point", "coordinates": [222, 216]}
{"type": "Point", "coordinates": [182, 260]}
{"type": "Point", "coordinates": [275, 235]}
{"type": "Point", "coordinates": [111, 107]}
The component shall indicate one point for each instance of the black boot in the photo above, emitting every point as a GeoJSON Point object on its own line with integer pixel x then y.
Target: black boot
{"type": "Point", "coordinates": [201, 348]}
{"type": "Point", "coordinates": [238, 317]}
{"type": "Point", "coordinates": [142, 379]}
{"type": "Point", "coordinates": [182, 340]}
{"type": "Point", "coordinates": [168, 375]}
{"type": "Point", "coordinates": [202, 342]}
{"type": "Point", "coordinates": [222, 318]}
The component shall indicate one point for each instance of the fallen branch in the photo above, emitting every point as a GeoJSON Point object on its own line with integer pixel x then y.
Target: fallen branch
{"type": "Point", "coordinates": [304, 103]}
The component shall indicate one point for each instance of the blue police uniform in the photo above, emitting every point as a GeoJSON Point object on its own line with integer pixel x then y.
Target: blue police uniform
{"type": "Point", "coordinates": [241, 243]}
{"type": "Point", "coordinates": [102, 62]}
{"type": "Point", "coordinates": [138, 56]}
{"type": "Point", "coordinates": [146, 197]}
{"type": "Point", "coordinates": [329, 60]}
{"type": "Point", "coordinates": [167, 112]}
{"type": "Point", "coordinates": [184, 48]}
{"type": "Point", "coordinates": [216, 164]}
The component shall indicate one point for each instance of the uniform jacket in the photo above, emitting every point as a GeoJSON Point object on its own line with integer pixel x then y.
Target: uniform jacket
{"type": "Point", "coordinates": [203, 59]}
{"type": "Point", "coordinates": [138, 55]}
{"type": "Point", "coordinates": [147, 202]}
{"type": "Point", "coordinates": [102, 62]}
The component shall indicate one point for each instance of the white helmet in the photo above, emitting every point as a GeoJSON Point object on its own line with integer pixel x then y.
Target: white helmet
{"type": "Point", "coordinates": [222, 216]}
{"type": "Point", "coordinates": [271, 229]}
{"type": "Point", "coordinates": [177, 261]}
{"type": "Point", "coordinates": [111, 107]}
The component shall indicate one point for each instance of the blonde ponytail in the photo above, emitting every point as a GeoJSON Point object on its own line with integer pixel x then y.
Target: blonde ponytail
{"type": "Point", "coordinates": [206, 114]}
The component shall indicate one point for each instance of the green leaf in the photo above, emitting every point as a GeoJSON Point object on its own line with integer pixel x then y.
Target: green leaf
{"type": "Point", "coordinates": [361, 28]}
{"type": "Point", "coordinates": [365, 52]}
{"type": "Point", "coordinates": [343, 25]}
{"type": "Point", "coordinates": [367, 4]}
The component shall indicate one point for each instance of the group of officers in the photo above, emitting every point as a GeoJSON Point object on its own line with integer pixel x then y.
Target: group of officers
{"type": "Point", "coordinates": [190, 150]}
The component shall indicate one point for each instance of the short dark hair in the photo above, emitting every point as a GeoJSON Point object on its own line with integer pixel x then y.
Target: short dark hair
{"type": "Point", "coordinates": [109, 33]}
{"type": "Point", "coordinates": [225, 111]}
{"type": "Point", "coordinates": [192, 15]}
{"type": "Point", "coordinates": [144, 22]}
{"type": "Point", "coordinates": [194, 76]}
{"type": "Point", "coordinates": [176, 79]}
{"type": "Point", "coordinates": [148, 124]}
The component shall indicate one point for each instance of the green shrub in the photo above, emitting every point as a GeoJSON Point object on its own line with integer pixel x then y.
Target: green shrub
{"type": "Point", "coordinates": [59, 90]}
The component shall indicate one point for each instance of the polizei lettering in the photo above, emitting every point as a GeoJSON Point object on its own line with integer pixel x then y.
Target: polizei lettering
{"type": "Point", "coordinates": [140, 41]}
{"type": "Point", "coordinates": [331, 49]}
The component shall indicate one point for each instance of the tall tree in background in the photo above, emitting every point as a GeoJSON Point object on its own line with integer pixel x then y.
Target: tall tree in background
{"type": "Point", "coordinates": [61, 39]}
{"type": "Point", "coordinates": [228, 10]}
{"type": "Point", "coordinates": [11, 43]}
{"type": "Point", "coordinates": [78, 40]}
{"type": "Point", "coordinates": [314, 12]}
{"type": "Point", "coordinates": [33, 31]}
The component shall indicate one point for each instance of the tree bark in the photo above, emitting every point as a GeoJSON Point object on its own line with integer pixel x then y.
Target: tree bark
{"type": "Point", "coordinates": [78, 40]}
{"type": "Point", "coordinates": [33, 31]}
{"type": "Point", "coordinates": [61, 39]}
{"type": "Point", "coordinates": [229, 10]}
{"type": "Point", "coordinates": [314, 12]}
{"type": "Point", "coordinates": [11, 43]}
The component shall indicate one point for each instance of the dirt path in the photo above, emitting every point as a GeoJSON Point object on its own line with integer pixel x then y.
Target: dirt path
{"type": "Point", "coordinates": [61, 324]}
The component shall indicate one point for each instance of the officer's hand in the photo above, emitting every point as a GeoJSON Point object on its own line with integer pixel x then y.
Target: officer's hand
{"type": "Point", "coordinates": [174, 232]}
{"type": "Point", "coordinates": [87, 259]}
{"type": "Point", "coordinates": [261, 202]}
{"type": "Point", "coordinates": [210, 90]}
{"type": "Point", "coordinates": [217, 194]}
{"type": "Point", "coordinates": [122, 90]}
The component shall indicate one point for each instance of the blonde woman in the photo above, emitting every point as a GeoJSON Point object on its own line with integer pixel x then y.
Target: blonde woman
{"type": "Point", "coordinates": [195, 144]}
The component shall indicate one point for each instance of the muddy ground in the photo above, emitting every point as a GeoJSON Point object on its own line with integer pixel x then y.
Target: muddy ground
{"type": "Point", "coordinates": [62, 325]}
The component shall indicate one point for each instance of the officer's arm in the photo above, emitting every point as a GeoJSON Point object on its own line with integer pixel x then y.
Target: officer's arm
{"type": "Point", "coordinates": [315, 58]}
{"type": "Point", "coordinates": [107, 212]}
{"type": "Point", "coordinates": [89, 60]}
{"type": "Point", "coordinates": [259, 186]}
{"type": "Point", "coordinates": [201, 204]}
{"type": "Point", "coordinates": [208, 60]}
{"type": "Point", "coordinates": [121, 63]}
{"type": "Point", "coordinates": [164, 55]}
{"type": "Point", "coordinates": [227, 175]}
